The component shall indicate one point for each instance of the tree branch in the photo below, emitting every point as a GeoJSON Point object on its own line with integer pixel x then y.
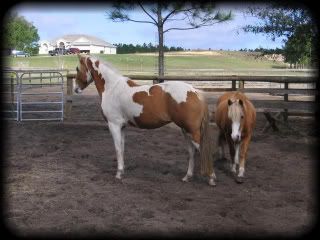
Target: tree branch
{"type": "Point", "coordinates": [153, 19]}
{"type": "Point", "coordinates": [133, 20]}
{"type": "Point", "coordinates": [189, 28]}
{"type": "Point", "coordinates": [169, 29]}
{"type": "Point", "coordinates": [177, 19]}
{"type": "Point", "coordinates": [175, 11]}
{"type": "Point", "coordinates": [166, 17]}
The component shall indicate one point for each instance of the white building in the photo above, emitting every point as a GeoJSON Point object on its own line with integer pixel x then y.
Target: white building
{"type": "Point", "coordinates": [86, 44]}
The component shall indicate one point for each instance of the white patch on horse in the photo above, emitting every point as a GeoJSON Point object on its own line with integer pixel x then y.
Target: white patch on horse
{"type": "Point", "coordinates": [110, 75]}
{"type": "Point", "coordinates": [178, 90]}
{"type": "Point", "coordinates": [89, 77]}
{"type": "Point", "coordinates": [234, 113]}
{"type": "Point", "coordinates": [236, 134]}
{"type": "Point", "coordinates": [134, 109]}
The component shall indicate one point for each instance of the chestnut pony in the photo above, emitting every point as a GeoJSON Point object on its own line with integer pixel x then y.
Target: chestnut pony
{"type": "Point", "coordinates": [123, 102]}
{"type": "Point", "coordinates": [235, 116]}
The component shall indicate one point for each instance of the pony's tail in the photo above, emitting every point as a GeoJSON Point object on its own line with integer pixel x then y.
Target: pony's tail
{"type": "Point", "coordinates": [206, 146]}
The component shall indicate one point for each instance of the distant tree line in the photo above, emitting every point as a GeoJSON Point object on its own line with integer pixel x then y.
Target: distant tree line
{"type": "Point", "coordinates": [144, 48]}
{"type": "Point", "coordinates": [264, 50]}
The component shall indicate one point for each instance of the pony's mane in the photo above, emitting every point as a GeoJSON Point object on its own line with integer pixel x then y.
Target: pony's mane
{"type": "Point", "coordinates": [106, 64]}
{"type": "Point", "coordinates": [235, 110]}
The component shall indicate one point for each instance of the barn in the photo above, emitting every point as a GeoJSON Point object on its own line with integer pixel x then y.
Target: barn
{"type": "Point", "coordinates": [86, 44]}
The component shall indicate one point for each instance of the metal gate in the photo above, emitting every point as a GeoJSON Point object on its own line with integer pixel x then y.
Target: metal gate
{"type": "Point", "coordinates": [37, 95]}
{"type": "Point", "coordinates": [10, 95]}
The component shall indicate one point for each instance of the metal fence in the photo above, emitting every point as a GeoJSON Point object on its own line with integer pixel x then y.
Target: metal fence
{"type": "Point", "coordinates": [36, 95]}
{"type": "Point", "coordinates": [10, 95]}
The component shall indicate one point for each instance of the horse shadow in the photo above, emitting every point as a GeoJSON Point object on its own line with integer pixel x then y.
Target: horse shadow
{"type": "Point", "coordinates": [223, 165]}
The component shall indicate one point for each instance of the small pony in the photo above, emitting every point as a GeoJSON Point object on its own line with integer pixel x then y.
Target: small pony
{"type": "Point", "coordinates": [236, 117]}
{"type": "Point", "coordinates": [123, 102]}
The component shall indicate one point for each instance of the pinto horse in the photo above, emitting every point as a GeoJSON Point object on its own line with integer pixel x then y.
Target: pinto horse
{"type": "Point", "coordinates": [235, 116]}
{"type": "Point", "coordinates": [123, 102]}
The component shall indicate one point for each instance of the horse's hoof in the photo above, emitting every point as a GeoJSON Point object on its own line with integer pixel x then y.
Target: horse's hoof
{"type": "Point", "coordinates": [186, 178]}
{"type": "Point", "coordinates": [239, 179]}
{"type": "Point", "coordinates": [233, 169]}
{"type": "Point", "coordinates": [119, 175]}
{"type": "Point", "coordinates": [212, 182]}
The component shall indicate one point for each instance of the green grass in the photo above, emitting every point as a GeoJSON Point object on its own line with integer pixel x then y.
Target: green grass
{"type": "Point", "coordinates": [230, 62]}
{"type": "Point", "coordinates": [42, 61]}
{"type": "Point", "coordinates": [215, 62]}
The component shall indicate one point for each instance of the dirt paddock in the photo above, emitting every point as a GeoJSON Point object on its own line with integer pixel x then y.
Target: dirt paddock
{"type": "Point", "coordinates": [59, 179]}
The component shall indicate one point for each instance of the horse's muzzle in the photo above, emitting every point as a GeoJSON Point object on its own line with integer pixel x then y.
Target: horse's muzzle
{"type": "Point", "coordinates": [236, 138]}
{"type": "Point", "coordinates": [77, 90]}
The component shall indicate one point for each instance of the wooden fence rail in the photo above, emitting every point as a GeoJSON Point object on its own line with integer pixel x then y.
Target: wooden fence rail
{"type": "Point", "coordinates": [233, 78]}
{"type": "Point", "coordinates": [283, 105]}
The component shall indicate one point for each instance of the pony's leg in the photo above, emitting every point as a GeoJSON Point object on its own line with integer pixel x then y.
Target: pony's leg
{"type": "Point", "coordinates": [221, 142]}
{"type": "Point", "coordinates": [118, 139]}
{"type": "Point", "coordinates": [191, 151]}
{"type": "Point", "coordinates": [195, 138]}
{"type": "Point", "coordinates": [212, 179]}
{"type": "Point", "coordinates": [232, 151]}
{"type": "Point", "coordinates": [236, 157]}
{"type": "Point", "coordinates": [243, 157]}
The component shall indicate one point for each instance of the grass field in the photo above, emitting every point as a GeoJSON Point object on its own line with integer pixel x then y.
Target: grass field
{"type": "Point", "coordinates": [183, 63]}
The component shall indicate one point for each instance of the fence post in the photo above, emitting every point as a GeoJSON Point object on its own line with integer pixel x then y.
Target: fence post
{"type": "Point", "coordinates": [233, 83]}
{"type": "Point", "coordinates": [285, 98]}
{"type": "Point", "coordinates": [69, 95]}
{"type": "Point", "coordinates": [241, 85]}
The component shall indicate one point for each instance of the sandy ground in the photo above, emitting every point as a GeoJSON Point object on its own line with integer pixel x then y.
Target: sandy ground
{"type": "Point", "coordinates": [59, 179]}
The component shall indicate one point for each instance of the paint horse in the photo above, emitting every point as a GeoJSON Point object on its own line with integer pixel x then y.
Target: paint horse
{"type": "Point", "coordinates": [123, 102]}
{"type": "Point", "coordinates": [235, 116]}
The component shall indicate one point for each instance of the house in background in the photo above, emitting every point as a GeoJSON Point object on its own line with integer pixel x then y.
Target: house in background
{"type": "Point", "coordinates": [86, 44]}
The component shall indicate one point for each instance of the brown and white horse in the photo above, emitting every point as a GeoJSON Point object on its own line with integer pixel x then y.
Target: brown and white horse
{"type": "Point", "coordinates": [123, 102]}
{"type": "Point", "coordinates": [235, 116]}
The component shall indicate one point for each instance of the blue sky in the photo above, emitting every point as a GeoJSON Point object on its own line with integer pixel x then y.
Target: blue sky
{"type": "Point", "coordinates": [55, 20]}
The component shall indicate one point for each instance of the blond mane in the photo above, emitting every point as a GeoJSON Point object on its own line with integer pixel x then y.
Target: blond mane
{"type": "Point", "coordinates": [235, 110]}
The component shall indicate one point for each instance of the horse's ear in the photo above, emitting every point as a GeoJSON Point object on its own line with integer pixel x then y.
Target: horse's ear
{"type": "Point", "coordinates": [229, 102]}
{"type": "Point", "coordinates": [240, 102]}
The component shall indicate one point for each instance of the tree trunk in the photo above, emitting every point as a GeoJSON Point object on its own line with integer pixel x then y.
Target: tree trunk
{"type": "Point", "coordinates": [161, 51]}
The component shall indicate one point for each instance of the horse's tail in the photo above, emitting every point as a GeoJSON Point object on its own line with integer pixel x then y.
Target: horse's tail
{"type": "Point", "coordinates": [206, 146]}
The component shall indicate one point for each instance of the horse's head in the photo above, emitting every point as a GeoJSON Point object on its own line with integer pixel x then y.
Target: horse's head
{"type": "Point", "coordinates": [83, 76]}
{"type": "Point", "coordinates": [236, 115]}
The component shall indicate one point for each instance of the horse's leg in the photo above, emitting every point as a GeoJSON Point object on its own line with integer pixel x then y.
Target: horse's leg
{"type": "Point", "coordinates": [122, 141]}
{"type": "Point", "coordinates": [232, 151]}
{"type": "Point", "coordinates": [221, 142]}
{"type": "Point", "coordinates": [118, 139]}
{"type": "Point", "coordinates": [236, 157]}
{"type": "Point", "coordinates": [243, 157]}
{"type": "Point", "coordinates": [191, 151]}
